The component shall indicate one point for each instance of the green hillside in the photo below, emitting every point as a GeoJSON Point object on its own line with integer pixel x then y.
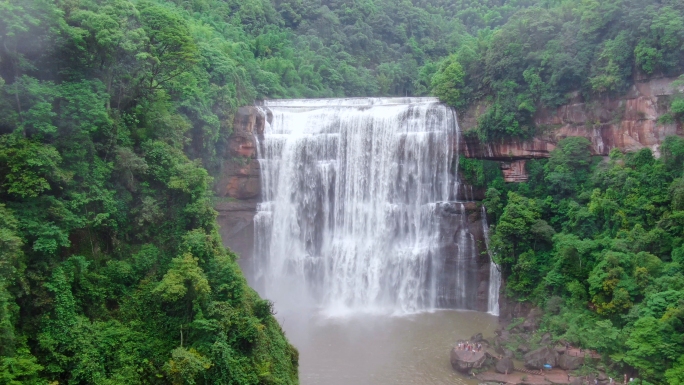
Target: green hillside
{"type": "Point", "coordinates": [114, 114]}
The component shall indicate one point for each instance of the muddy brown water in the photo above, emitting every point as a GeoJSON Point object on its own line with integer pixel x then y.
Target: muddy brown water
{"type": "Point", "coordinates": [365, 349]}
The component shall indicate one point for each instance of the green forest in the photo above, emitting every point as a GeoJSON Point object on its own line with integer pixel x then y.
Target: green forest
{"type": "Point", "coordinates": [114, 116]}
{"type": "Point", "coordinates": [599, 245]}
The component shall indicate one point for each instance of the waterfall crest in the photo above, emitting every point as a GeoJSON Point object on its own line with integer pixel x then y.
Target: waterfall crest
{"type": "Point", "coordinates": [353, 196]}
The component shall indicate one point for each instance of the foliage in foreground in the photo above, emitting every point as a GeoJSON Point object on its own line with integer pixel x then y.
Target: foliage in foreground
{"type": "Point", "coordinates": [111, 267]}
{"type": "Point", "coordinates": [600, 245]}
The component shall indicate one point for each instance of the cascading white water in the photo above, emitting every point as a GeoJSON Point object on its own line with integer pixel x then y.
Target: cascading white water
{"type": "Point", "coordinates": [353, 191]}
{"type": "Point", "coordinates": [494, 272]}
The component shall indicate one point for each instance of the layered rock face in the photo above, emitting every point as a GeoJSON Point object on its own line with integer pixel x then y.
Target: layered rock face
{"type": "Point", "coordinates": [238, 187]}
{"type": "Point", "coordinates": [629, 123]}
{"type": "Point", "coordinates": [239, 190]}
{"type": "Point", "coordinates": [240, 174]}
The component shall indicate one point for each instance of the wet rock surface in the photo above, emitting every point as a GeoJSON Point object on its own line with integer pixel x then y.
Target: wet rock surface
{"type": "Point", "coordinates": [518, 337]}
{"type": "Point", "coordinates": [537, 358]}
{"type": "Point", "coordinates": [464, 361]}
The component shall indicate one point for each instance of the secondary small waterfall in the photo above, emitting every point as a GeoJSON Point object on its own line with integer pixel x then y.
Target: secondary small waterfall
{"type": "Point", "coordinates": [355, 193]}
{"type": "Point", "coordinates": [494, 271]}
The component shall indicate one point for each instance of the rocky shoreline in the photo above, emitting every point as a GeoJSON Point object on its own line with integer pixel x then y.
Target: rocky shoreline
{"type": "Point", "coordinates": [521, 353]}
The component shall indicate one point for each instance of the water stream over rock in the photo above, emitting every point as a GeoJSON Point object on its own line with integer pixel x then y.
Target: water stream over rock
{"type": "Point", "coordinates": [494, 272]}
{"type": "Point", "coordinates": [358, 210]}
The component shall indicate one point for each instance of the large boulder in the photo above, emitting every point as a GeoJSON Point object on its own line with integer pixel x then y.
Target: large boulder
{"type": "Point", "coordinates": [464, 361]}
{"type": "Point", "coordinates": [536, 359]}
{"type": "Point", "coordinates": [532, 320]}
{"type": "Point", "coordinates": [505, 336]}
{"type": "Point", "coordinates": [504, 365]}
{"type": "Point", "coordinates": [568, 362]}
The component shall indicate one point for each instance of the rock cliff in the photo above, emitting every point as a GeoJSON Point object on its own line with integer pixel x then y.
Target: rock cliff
{"type": "Point", "coordinates": [238, 191]}
{"type": "Point", "coordinates": [629, 123]}
{"type": "Point", "coordinates": [238, 186]}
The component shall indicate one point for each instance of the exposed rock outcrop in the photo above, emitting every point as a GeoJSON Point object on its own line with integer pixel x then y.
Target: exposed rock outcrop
{"type": "Point", "coordinates": [514, 171]}
{"type": "Point", "coordinates": [239, 177]}
{"type": "Point", "coordinates": [568, 362]}
{"type": "Point", "coordinates": [536, 359]}
{"type": "Point", "coordinates": [629, 123]}
{"type": "Point", "coordinates": [238, 186]}
{"type": "Point", "coordinates": [236, 225]}
{"type": "Point", "coordinates": [452, 222]}
{"type": "Point", "coordinates": [464, 361]}
{"type": "Point", "coordinates": [504, 365]}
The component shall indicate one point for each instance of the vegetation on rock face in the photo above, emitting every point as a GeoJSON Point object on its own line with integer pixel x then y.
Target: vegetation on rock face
{"type": "Point", "coordinates": [552, 49]}
{"type": "Point", "coordinates": [600, 245]}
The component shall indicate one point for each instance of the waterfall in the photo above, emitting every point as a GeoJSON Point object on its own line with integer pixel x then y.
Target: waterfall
{"type": "Point", "coordinates": [355, 193]}
{"type": "Point", "coordinates": [494, 272]}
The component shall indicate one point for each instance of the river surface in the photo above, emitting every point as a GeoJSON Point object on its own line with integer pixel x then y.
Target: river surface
{"type": "Point", "coordinates": [363, 349]}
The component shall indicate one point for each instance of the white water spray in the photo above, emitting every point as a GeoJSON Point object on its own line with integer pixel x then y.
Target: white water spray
{"type": "Point", "coordinates": [353, 193]}
{"type": "Point", "coordinates": [494, 272]}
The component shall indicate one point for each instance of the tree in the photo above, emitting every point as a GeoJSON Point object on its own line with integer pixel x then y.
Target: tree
{"type": "Point", "coordinates": [172, 49]}
{"type": "Point", "coordinates": [447, 83]}
{"type": "Point", "coordinates": [568, 165]}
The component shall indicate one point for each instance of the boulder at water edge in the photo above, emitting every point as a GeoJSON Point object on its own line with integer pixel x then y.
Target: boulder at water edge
{"type": "Point", "coordinates": [537, 358]}
{"type": "Point", "coordinates": [463, 360]}
{"type": "Point", "coordinates": [505, 366]}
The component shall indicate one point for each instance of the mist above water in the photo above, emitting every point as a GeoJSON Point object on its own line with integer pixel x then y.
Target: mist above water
{"type": "Point", "coordinates": [359, 239]}
{"type": "Point", "coordinates": [353, 193]}
{"type": "Point", "coordinates": [365, 349]}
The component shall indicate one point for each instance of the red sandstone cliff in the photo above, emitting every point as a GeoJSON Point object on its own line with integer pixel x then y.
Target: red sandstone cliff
{"type": "Point", "coordinates": [238, 186]}
{"type": "Point", "coordinates": [628, 123]}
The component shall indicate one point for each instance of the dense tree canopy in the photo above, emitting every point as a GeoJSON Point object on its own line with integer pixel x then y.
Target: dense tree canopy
{"type": "Point", "coordinates": [114, 114]}
{"type": "Point", "coordinates": [552, 51]}
{"type": "Point", "coordinates": [600, 245]}
{"type": "Point", "coordinates": [111, 267]}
